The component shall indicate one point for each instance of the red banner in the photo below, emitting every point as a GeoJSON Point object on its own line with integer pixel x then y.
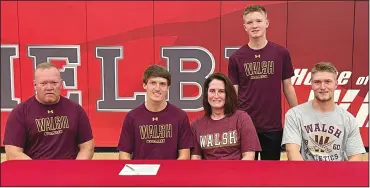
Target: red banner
{"type": "Point", "coordinates": [184, 173]}
{"type": "Point", "coordinates": [104, 47]}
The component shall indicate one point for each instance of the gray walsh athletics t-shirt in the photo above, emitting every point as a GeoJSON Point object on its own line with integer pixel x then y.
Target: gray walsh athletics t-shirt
{"type": "Point", "coordinates": [329, 136]}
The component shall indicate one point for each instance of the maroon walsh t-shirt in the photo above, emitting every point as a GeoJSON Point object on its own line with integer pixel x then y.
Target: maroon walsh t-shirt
{"type": "Point", "coordinates": [155, 135]}
{"type": "Point", "coordinates": [224, 139]}
{"type": "Point", "coordinates": [48, 131]}
{"type": "Point", "coordinates": [259, 74]}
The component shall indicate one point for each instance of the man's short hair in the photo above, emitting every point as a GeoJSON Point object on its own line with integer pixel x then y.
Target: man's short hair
{"type": "Point", "coordinates": [324, 67]}
{"type": "Point", "coordinates": [254, 8]}
{"type": "Point", "coordinates": [46, 65]}
{"type": "Point", "coordinates": [156, 71]}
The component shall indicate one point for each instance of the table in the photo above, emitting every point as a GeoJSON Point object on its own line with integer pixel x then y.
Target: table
{"type": "Point", "coordinates": [185, 173]}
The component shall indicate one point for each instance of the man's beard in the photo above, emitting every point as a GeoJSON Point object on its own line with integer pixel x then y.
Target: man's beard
{"type": "Point", "coordinates": [323, 100]}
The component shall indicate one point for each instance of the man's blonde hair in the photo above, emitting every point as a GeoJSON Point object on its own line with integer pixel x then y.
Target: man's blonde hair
{"type": "Point", "coordinates": [324, 67]}
{"type": "Point", "coordinates": [254, 8]}
{"type": "Point", "coordinates": [46, 65]}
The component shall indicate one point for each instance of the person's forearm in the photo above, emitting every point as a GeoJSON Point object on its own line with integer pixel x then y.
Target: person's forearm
{"type": "Point", "coordinates": [290, 96]}
{"type": "Point", "coordinates": [17, 156]}
{"type": "Point", "coordinates": [294, 156]}
{"type": "Point", "coordinates": [196, 157]}
{"type": "Point", "coordinates": [184, 157]}
{"type": "Point", "coordinates": [236, 87]}
{"type": "Point", "coordinates": [357, 157]}
{"type": "Point", "coordinates": [124, 156]}
{"type": "Point", "coordinates": [85, 154]}
{"type": "Point", "coordinates": [183, 154]}
{"type": "Point", "coordinates": [249, 156]}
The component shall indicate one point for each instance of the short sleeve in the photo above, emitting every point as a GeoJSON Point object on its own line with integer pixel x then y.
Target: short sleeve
{"type": "Point", "coordinates": [233, 72]}
{"type": "Point", "coordinates": [248, 134]}
{"type": "Point", "coordinates": [185, 134]}
{"type": "Point", "coordinates": [127, 138]}
{"type": "Point", "coordinates": [15, 131]}
{"type": "Point", "coordinates": [196, 149]}
{"type": "Point", "coordinates": [292, 132]}
{"type": "Point", "coordinates": [288, 70]}
{"type": "Point", "coordinates": [354, 144]}
{"type": "Point", "coordinates": [84, 127]}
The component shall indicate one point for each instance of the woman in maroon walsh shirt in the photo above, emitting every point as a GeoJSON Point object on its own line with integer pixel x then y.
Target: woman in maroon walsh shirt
{"type": "Point", "coordinates": [223, 132]}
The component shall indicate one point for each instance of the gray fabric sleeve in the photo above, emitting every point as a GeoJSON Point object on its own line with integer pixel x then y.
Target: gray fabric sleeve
{"type": "Point", "coordinates": [354, 144]}
{"type": "Point", "coordinates": [292, 131]}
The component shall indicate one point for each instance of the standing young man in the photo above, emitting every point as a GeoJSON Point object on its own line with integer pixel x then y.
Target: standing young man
{"type": "Point", "coordinates": [258, 70]}
{"type": "Point", "coordinates": [156, 129]}
{"type": "Point", "coordinates": [320, 130]}
{"type": "Point", "coordinates": [48, 125]}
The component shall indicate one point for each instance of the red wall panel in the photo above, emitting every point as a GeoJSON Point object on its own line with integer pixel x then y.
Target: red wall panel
{"type": "Point", "coordinates": [9, 22]}
{"type": "Point", "coordinates": [126, 25]}
{"type": "Point", "coordinates": [10, 38]}
{"type": "Point", "coordinates": [188, 25]}
{"type": "Point", "coordinates": [360, 104]}
{"type": "Point", "coordinates": [54, 25]}
{"type": "Point", "coordinates": [314, 37]}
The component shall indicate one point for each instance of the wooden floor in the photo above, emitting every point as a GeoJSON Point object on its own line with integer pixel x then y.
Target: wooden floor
{"type": "Point", "coordinates": [114, 156]}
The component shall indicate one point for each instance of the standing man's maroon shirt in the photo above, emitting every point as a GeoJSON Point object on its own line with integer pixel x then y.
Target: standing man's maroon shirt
{"type": "Point", "coordinates": [259, 74]}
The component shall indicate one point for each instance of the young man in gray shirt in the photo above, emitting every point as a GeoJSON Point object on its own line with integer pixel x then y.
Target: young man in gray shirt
{"type": "Point", "coordinates": [319, 129]}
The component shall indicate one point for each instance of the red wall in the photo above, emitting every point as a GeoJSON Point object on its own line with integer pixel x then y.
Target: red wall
{"type": "Point", "coordinates": [330, 31]}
